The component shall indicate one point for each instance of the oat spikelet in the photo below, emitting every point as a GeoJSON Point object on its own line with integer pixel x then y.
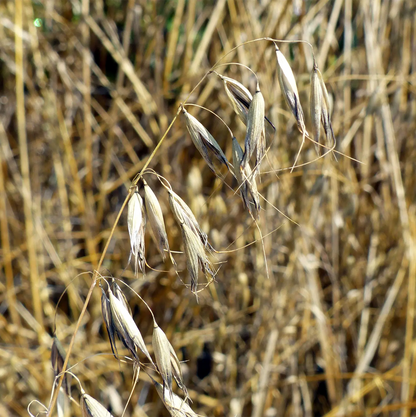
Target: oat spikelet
{"type": "Point", "coordinates": [126, 328]}
{"type": "Point", "coordinates": [255, 134]}
{"type": "Point", "coordinates": [155, 219]}
{"type": "Point", "coordinates": [136, 223]}
{"type": "Point", "coordinates": [108, 321]}
{"type": "Point", "coordinates": [167, 362]}
{"type": "Point", "coordinates": [118, 293]}
{"type": "Point", "coordinates": [325, 114]}
{"type": "Point", "coordinates": [196, 257]}
{"type": "Point", "coordinates": [316, 106]}
{"type": "Point", "coordinates": [290, 91]}
{"type": "Point", "coordinates": [183, 214]}
{"type": "Point", "coordinates": [161, 351]}
{"type": "Point", "coordinates": [176, 406]}
{"type": "Point", "coordinates": [58, 356]}
{"type": "Point", "coordinates": [246, 181]}
{"type": "Point", "coordinates": [239, 96]}
{"type": "Point", "coordinates": [206, 144]}
{"type": "Point", "coordinates": [91, 407]}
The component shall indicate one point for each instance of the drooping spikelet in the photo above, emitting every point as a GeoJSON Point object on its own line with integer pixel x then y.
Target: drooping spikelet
{"type": "Point", "coordinates": [108, 321]}
{"type": "Point", "coordinates": [255, 134]}
{"type": "Point", "coordinates": [183, 214]}
{"type": "Point", "coordinates": [326, 113]}
{"type": "Point", "coordinates": [206, 144]}
{"type": "Point", "coordinates": [167, 362]}
{"type": "Point", "coordinates": [239, 96]}
{"type": "Point", "coordinates": [246, 181]}
{"type": "Point", "coordinates": [126, 328]}
{"type": "Point", "coordinates": [290, 91]}
{"type": "Point", "coordinates": [136, 223]}
{"type": "Point", "coordinates": [196, 257]}
{"type": "Point", "coordinates": [176, 406]}
{"type": "Point", "coordinates": [155, 219]}
{"type": "Point", "coordinates": [91, 407]}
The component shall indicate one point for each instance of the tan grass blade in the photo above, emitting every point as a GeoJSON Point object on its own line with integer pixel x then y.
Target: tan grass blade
{"type": "Point", "coordinates": [155, 219]}
{"type": "Point", "coordinates": [255, 134]}
{"type": "Point", "coordinates": [136, 223]}
{"type": "Point", "coordinates": [91, 407]}
{"type": "Point", "coordinates": [126, 328]}
{"type": "Point", "coordinates": [206, 144]}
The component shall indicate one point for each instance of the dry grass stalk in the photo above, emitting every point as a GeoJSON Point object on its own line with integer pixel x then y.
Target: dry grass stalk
{"type": "Point", "coordinates": [166, 359]}
{"type": "Point", "coordinates": [136, 223]}
{"type": "Point", "coordinates": [125, 327]}
{"type": "Point", "coordinates": [58, 358]}
{"type": "Point", "coordinates": [176, 406]}
{"type": "Point", "coordinates": [155, 219]}
{"type": "Point", "coordinates": [290, 90]}
{"type": "Point", "coordinates": [183, 214]}
{"type": "Point", "coordinates": [91, 407]}
{"type": "Point", "coordinates": [206, 144]}
{"type": "Point", "coordinates": [246, 181]}
{"type": "Point", "coordinates": [196, 257]}
{"type": "Point", "coordinates": [255, 134]}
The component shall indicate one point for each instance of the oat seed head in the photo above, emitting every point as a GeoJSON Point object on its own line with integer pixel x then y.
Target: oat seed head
{"type": "Point", "coordinates": [183, 214]}
{"type": "Point", "coordinates": [206, 144]}
{"type": "Point", "coordinates": [176, 406]}
{"type": "Point", "coordinates": [290, 91]}
{"type": "Point", "coordinates": [108, 321]}
{"type": "Point", "coordinates": [136, 223]}
{"type": "Point", "coordinates": [92, 408]}
{"type": "Point", "coordinates": [255, 133]}
{"type": "Point", "coordinates": [156, 221]}
{"type": "Point", "coordinates": [126, 328]}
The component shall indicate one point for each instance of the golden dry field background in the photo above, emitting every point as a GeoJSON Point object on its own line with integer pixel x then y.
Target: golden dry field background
{"type": "Point", "coordinates": [312, 310]}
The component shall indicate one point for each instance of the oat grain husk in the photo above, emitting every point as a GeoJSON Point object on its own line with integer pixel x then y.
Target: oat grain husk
{"type": "Point", "coordinates": [289, 88]}
{"type": "Point", "coordinates": [92, 408]}
{"type": "Point", "coordinates": [126, 328]}
{"type": "Point", "coordinates": [136, 223]}
{"type": "Point", "coordinates": [206, 144]}
{"type": "Point", "coordinates": [156, 221]}
{"type": "Point", "coordinates": [255, 134]}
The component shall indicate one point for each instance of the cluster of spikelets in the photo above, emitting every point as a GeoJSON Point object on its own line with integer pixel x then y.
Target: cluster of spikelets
{"type": "Point", "coordinates": [251, 111]}
{"type": "Point", "coordinates": [120, 324]}
{"type": "Point", "coordinates": [148, 214]}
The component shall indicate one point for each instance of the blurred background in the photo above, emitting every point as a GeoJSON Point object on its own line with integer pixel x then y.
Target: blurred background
{"type": "Point", "coordinates": [87, 89]}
